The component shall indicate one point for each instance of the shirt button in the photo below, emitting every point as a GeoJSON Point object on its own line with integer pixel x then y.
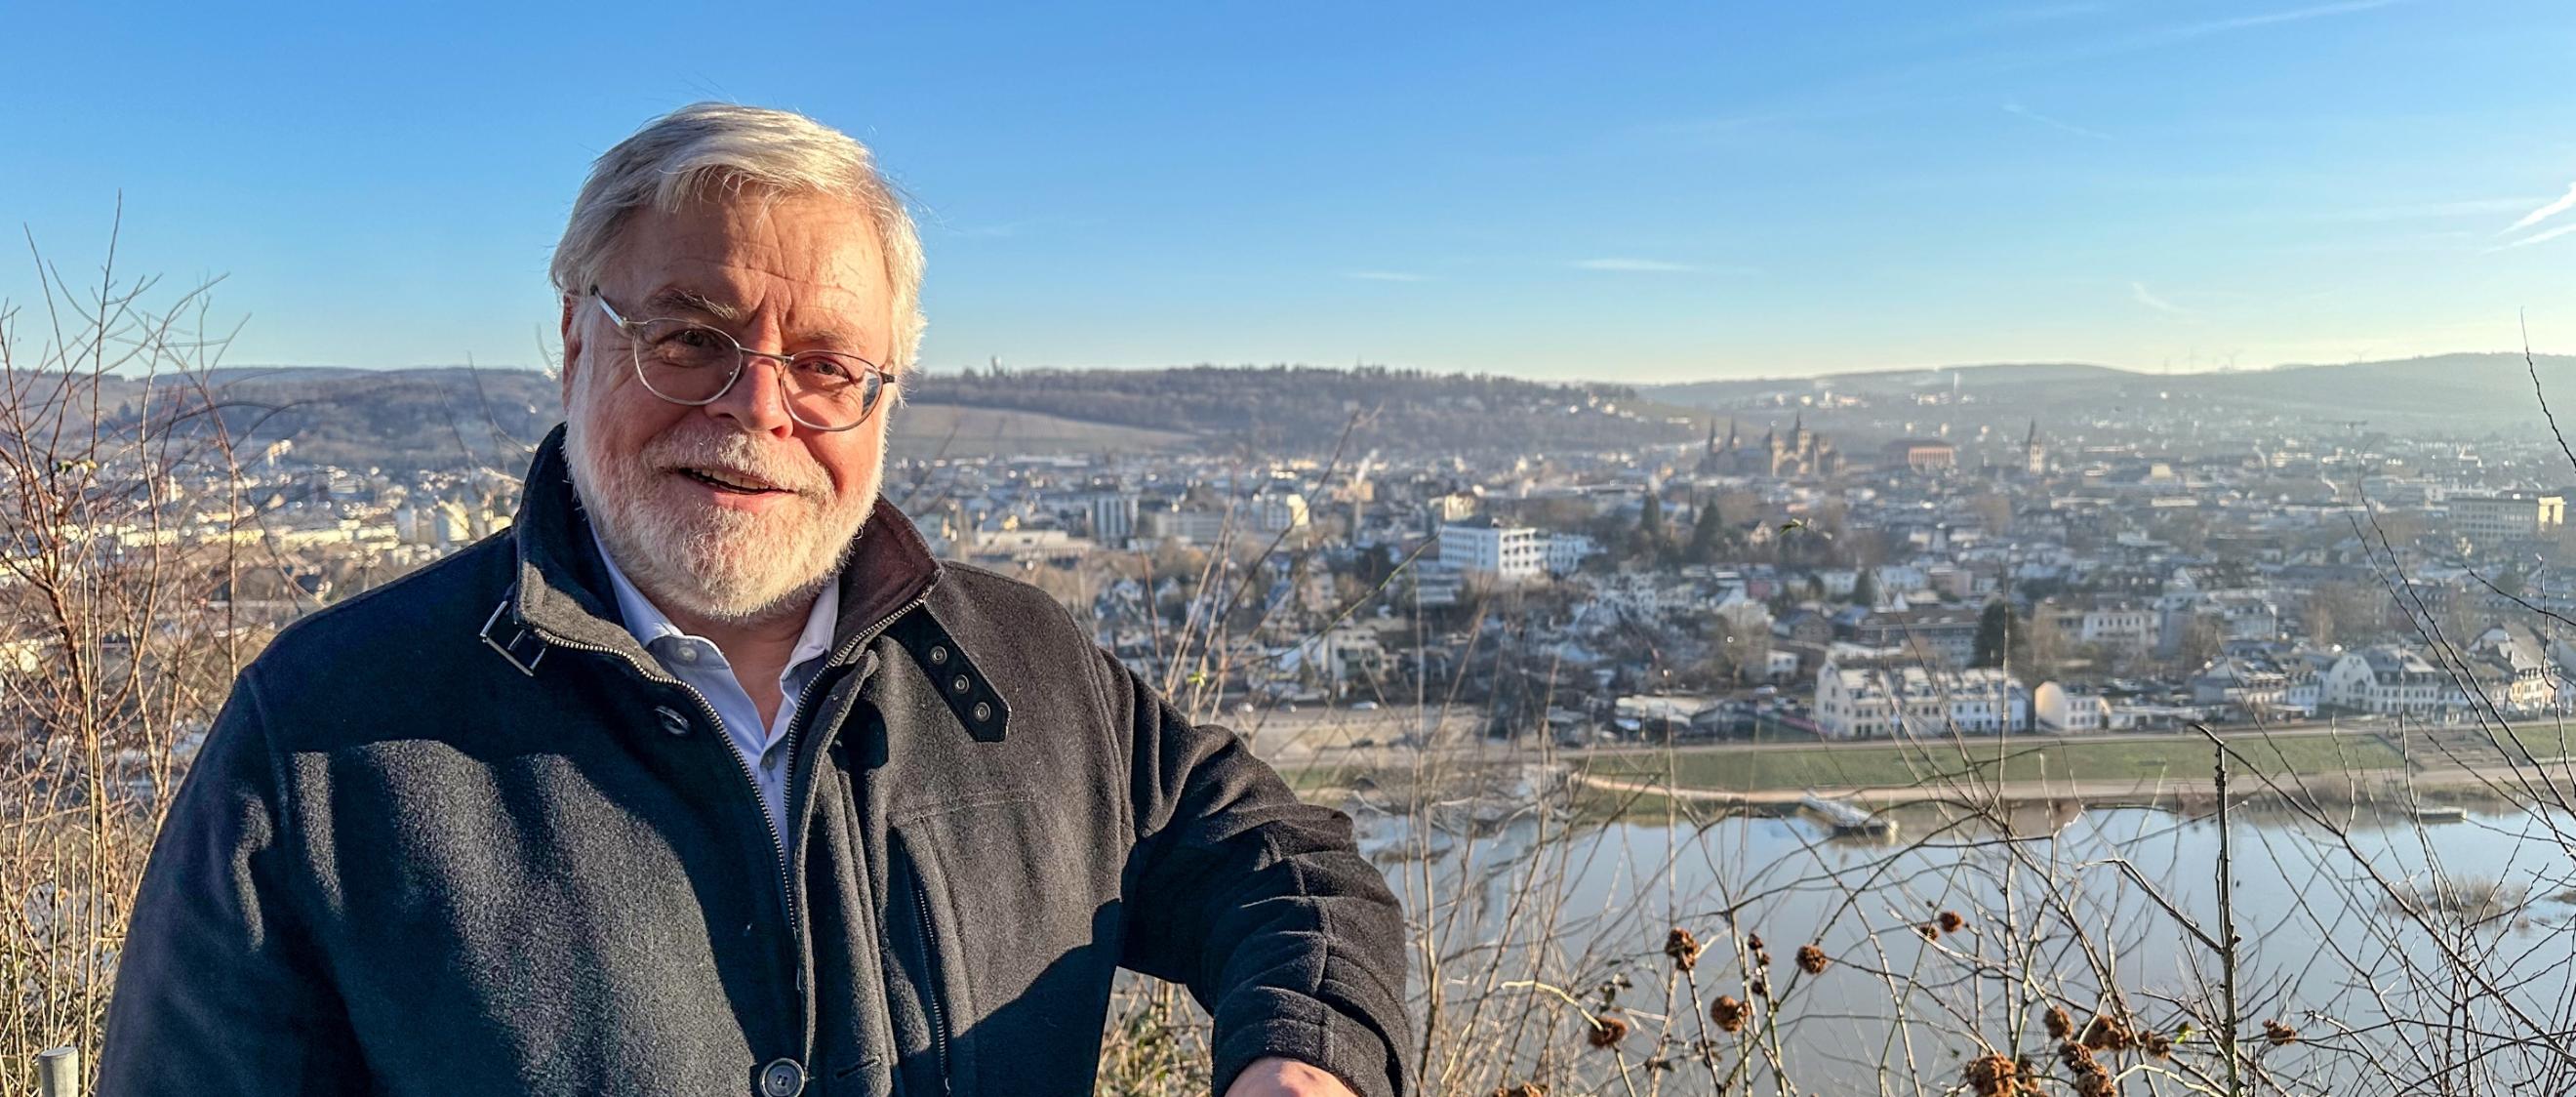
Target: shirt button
{"type": "Point", "coordinates": [782, 1078]}
{"type": "Point", "coordinates": [688, 653]}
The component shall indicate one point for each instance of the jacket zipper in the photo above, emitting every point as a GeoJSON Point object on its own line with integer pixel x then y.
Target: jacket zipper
{"type": "Point", "coordinates": [930, 969]}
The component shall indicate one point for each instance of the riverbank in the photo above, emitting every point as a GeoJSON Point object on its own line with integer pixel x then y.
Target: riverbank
{"type": "Point", "coordinates": [2322, 762]}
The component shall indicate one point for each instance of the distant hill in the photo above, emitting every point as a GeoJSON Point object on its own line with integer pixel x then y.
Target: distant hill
{"type": "Point", "coordinates": [2483, 390]}
{"type": "Point", "coordinates": [1882, 382]}
{"type": "Point", "coordinates": [457, 417]}
{"type": "Point", "coordinates": [1305, 409]}
{"type": "Point", "coordinates": [924, 429]}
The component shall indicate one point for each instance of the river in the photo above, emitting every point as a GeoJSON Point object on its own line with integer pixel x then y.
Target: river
{"type": "Point", "coordinates": [2348, 942]}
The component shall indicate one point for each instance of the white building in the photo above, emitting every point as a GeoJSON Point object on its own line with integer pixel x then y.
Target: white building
{"type": "Point", "coordinates": [1909, 701]}
{"type": "Point", "coordinates": [2494, 519]}
{"type": "Point", "coordinates": [2386, 679]}
{"type": "Point", "coordinates": [1489, 549]}
{"type": "Point", "coordinates": [2118, 626]}
{"type": "Point", "coordinates": [1113, 519]}
{"type": "Point", "coordinates": [1566, 552]}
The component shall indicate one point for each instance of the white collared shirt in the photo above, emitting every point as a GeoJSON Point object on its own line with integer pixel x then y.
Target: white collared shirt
{"type": "Point", "coordinates": [696, 661]}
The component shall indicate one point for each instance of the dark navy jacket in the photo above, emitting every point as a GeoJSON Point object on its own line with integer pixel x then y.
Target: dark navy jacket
{"type": "Point", "coordinates": [461, 835]}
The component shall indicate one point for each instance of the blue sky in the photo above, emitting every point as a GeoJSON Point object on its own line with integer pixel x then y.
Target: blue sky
{"type": "Point", "coordinates": [1630, 192]}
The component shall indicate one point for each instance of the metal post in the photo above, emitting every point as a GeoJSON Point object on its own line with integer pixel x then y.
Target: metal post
{"type": "Point", "coordinates": [58, 1072]}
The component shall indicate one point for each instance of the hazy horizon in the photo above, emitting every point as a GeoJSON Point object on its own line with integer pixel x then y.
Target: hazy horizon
{"type": "Point", "coordinates": [942, 367]}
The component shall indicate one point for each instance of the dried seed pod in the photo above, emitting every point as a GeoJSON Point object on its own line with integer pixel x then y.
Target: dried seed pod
{"type": "Point", "coordinates": [1682, 947]}
{"type": "Point", "coordinates": [2279, 1033]}
{"type": "Point", "coordinates": [1608, 1031]}
{"type": "Point", "coordinates": [1992, 1075]}
{"type": "Point", "coordinates": [2060, 1026]}
{"type": "Point", "coordinates": [2157, 1044]}
{"type": "Point", "coordinates": [2107, 1033]}
{"type": "Point", "coordinates": [1811, 959]}
{"type": "Point", "coordinates": [1762, 959]}
{"type": "Point", "coordinates": [1728, 1014]}
{"type": "Point", "coordinates": [1753, 941]}
{"type": "Point", "coordinates": [1950, 921]}
{"type": "Point", "coordinates": [2078, 1058]}
{"type": "Point", "coordinates": [1930, 931]}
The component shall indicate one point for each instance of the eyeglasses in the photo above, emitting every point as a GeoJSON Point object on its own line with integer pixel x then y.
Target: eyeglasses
{"type": "Point", "coordinates": [695, 365]}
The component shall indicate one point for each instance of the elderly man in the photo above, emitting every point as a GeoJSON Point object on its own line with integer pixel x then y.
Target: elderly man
{"type": "Point", "coordinates": [706, 778]}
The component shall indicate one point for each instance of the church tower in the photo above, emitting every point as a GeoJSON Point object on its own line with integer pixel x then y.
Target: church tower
{"type": "Point", "coordinates": [2034, 453]}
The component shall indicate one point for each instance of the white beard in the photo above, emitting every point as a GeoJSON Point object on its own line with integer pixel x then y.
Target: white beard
{"type": "Point", "coordinates": [719, 565]}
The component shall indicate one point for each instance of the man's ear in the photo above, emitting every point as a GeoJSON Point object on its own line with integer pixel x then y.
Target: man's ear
{"type": "Point", "coordinates": [571, 345]}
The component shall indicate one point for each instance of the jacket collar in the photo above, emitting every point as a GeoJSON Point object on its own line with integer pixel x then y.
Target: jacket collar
{"type": "Point", "coordinates": [562, 591]}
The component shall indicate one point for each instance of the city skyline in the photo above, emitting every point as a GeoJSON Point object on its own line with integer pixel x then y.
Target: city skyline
{"type": "Point", "coordinates": [1616, 196]}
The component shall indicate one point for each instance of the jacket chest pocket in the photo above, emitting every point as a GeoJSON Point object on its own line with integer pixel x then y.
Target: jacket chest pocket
{"type": "Point", "coordinates": [995, 944]}
{"type": "Point", "coordinates": [927, 994]}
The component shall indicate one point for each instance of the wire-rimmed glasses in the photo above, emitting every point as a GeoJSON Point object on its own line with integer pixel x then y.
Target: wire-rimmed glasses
{"type": "Point", "coordinates": [694, 364]}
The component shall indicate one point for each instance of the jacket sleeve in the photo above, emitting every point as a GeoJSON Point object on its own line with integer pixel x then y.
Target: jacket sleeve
{"type": "Point", "coordinates": [219, 988]}
{"type": "Point", "coordinates": [1259, 903]}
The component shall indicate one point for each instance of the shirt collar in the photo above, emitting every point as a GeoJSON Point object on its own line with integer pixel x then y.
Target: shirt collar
{"type": "Point", "coordinates": [647, 623]}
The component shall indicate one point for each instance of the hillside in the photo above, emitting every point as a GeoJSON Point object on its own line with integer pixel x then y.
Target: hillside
{"type": "Point", "coordinates": [1304, 409]}
{"type": "Point", "coordinates": [451, 417]}
{"type": "Point", "coordinates": [2475, 391]}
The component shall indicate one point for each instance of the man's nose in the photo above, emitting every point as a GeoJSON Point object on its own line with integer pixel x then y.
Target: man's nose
{"type": "Point", "coordinates": [758, 399]}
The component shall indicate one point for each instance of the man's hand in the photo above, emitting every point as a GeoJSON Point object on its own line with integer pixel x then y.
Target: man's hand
{"type": "Point", "coordinates": [1277, 1077]}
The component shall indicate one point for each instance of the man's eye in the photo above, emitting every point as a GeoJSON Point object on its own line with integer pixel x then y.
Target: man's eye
{"type": "Point", "coordinates": [830, 367]}
{"type": "Point", "coordinates": [695, 339]}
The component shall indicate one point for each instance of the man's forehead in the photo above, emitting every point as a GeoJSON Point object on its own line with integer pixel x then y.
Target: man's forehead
{"type": "Point", "coordinates": [813, 312]}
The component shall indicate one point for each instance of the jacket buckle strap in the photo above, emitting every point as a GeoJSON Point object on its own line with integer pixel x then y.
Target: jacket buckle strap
{"type": "Point", "coordinates": [968, 692]}
{"type": "Point", "coordinates": [509, 649]}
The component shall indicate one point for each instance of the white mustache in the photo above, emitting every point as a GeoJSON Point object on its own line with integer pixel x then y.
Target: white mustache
{"type": "Point", "coordinates": [732, 453]}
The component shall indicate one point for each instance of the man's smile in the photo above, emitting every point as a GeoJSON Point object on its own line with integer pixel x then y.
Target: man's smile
{"type": "Point", "coordinates": [730, 481]}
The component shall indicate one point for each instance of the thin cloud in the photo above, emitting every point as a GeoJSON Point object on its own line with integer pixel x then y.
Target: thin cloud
{"type": "Point", "coordinates": [2139, 292]}
{"type": "Point", "coordinates": [1385, 276]}
{"type": "Point", "coordinates": [2019, 111]}
{"type": "Point", "coordinates": [1636, 266]}
{"type": "Point", "coordinates": [2537, 238]}
{"type": "Point", "coordinates": [2294, 15]}
{"type": "Point", "coordinates": [1904, 87]}
{"type": "Point", "coordinates": [2427, 211]}
{"type": "Point", "coordinates": [2564, 203]}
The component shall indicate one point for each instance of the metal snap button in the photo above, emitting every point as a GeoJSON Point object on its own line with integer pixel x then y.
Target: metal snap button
{"type": "Point", "coordinates": [938, 655]}
{"type": "Point", "coordinates": [983, 712]}
{"type": "Point", "coordinates": [782, 1078]}
{"type": "Point", "coordinates": [961, 683]}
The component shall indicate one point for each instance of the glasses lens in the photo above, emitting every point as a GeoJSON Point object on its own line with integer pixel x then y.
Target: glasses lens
{"type": "Point", "coordinates": [686, 362]}
{"type": "Point", "coordinates": [830, 391]}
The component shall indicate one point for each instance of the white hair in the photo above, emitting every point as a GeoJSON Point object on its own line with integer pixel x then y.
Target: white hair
{"type": "Point", "coordinates": [703, 147]}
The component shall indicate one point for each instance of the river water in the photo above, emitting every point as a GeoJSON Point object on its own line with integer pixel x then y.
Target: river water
{"type": "Point", "coordinates": [2405, 955]}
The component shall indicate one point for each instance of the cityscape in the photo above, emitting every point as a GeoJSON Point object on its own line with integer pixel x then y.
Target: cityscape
{"type": "Point", "coordinates": [1814, 561]}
